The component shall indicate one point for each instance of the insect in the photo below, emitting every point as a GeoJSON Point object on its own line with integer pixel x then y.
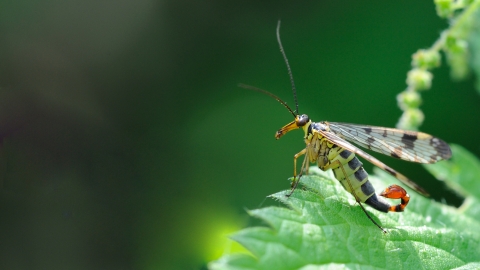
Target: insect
{"type": "Point", "coordinates": [328, 145]}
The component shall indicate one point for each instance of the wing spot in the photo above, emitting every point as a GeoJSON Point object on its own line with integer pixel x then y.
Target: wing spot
{"type": "Point", "coordinates": [408, 139]}
{"type": "Point", "coordinates": [433, 158]}
{"type": "Point", "coordinates": [397, 152]}
{"type": "Point", "coordinates": [442, 148]}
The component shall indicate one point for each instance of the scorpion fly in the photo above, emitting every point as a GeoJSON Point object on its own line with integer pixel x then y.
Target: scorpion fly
{"type": "Point", "coordinates": [328, 145]}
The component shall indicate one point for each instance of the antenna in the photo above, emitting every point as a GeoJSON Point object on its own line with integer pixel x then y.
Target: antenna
{"type": "Point", "coordinates": [288, 67]}
{"type": "Point", "coordinates": [267, 93]}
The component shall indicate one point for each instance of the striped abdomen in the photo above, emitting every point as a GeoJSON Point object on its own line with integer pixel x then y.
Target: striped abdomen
{"type": "Point", "coordinates": [354, 178]}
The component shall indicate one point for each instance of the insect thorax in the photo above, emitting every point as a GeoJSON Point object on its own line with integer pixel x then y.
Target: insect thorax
{"type": "Point", "coordinates": [319, 149]}
{"type": "Point", "coordinates": [343, 163]}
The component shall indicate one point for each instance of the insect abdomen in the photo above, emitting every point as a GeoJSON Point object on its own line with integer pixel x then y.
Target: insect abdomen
{"type": "Point", "coordinates": [358, 178]}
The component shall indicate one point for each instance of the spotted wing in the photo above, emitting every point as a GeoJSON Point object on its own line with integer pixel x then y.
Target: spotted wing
{"type": "Point", "coordinates": [407, 145]}
{"type": "Point", "coordinates": [335, 139]}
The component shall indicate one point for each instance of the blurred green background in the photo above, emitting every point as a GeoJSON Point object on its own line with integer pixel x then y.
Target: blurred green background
{"type": "Point", "coordinates": [126, 143]}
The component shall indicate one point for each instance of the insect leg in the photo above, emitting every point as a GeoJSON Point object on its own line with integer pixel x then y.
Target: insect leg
{"type": "Point", "coordinates": [295, 180]}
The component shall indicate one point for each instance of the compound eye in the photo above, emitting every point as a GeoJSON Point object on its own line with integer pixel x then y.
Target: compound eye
{"type": "Point", "coordinates": [302, 120]}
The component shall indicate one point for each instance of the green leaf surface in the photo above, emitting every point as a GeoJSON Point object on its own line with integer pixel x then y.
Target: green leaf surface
{"type": "Point", "coordinates": [324, 228]}
{"type": "Point", "coordinates": [462, 174]}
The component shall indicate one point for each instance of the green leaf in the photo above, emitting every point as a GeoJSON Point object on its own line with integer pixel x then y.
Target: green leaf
{"type": "Point", "coordinates": [462, 174]}
{"type": "Point", "coordinates": [324, 228]}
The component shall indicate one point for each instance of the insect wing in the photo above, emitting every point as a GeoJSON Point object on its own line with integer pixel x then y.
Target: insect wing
{"type": "Point", "coordinates": [333, 138]}
{"type": "Point", "coordinates": [407, 145]}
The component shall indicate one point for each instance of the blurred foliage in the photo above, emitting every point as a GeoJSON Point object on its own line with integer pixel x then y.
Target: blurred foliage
{"type": "Point", "coordinates": [474, 45]}
{"type": "Point", "coordinates": [454, 42]}
{"type": "Point", "coordinates": [126, 143]}
{"type": "Point", "coordinates": [461, 174]}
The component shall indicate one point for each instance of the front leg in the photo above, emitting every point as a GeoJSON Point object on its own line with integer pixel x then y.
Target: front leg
{"type": "Point", "coordinates": [295, 181]}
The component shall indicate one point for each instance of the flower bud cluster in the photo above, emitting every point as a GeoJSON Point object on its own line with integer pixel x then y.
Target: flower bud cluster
{"type": "Point", "coordinates": [453, 42]}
